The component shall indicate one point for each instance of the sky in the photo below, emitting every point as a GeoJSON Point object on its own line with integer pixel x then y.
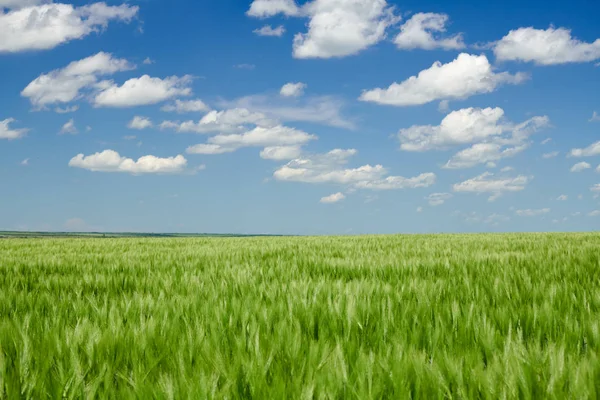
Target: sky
{"type": "Point", "coordinates": [299, 117]}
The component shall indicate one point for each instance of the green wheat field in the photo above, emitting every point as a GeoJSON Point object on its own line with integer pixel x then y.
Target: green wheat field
{"type": "Point", "coordinates": [425, 316]}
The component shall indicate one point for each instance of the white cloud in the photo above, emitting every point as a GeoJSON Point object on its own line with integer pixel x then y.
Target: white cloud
{"type": "Point", "coordinates": [258, 137]}
{"type": "Point", "coordinates": [334, 198]}
{"type": "Point", "coordinates": [270, 8]}
{"type": "Point", "coordinates": [592, 150]}
{"type": "Point", "coordinates": [486, 183]}
{"type": "Point", "coordinates": [65, 85]}
{"type": "Point", "coordinates": [399, 182]}
{"type": "Point", "coordinates": [16, 4]}
{"type": "Point", "coordinates": [562, 197]}
{"type": "Point", "coordinates": [25, 162]}
{"type": "Point", "coordinates": [339, 28]}
{"type": "Point", "coordinates": [595, 117]}
{"type": "Point", "coordinates": [595, 213]}
{"type": "Point", "coordinates": [69, 128]}
{"type": "Point", "coordinates": [324, 110]}
{"type": "Point", "coordinates": [144, 90]}
{"type": "Point", "coordinates": [111, 161]}
{"type": "Point", "coordinates": [7, 133]}
{"type": "Point", "coordinates": [484, 128]}
{"type": "Point", "coordinates": [546, 141]}
{"type": "Point", "coordinates": [280, 153]}
{"type": "Point", "coordinates": [580, 167]}
{"type": "Point", "coordinates": [545, 47]}
{"type": "Point", "coordinates": [419, 209]}
{"type": "Point", "coordinates": [66, 110]}
{"type": "Point", "coordinates": [292, 89]}
{"type": "Point", "coordinates": [268, 30]}
{"type": "Point", "coordinates": [467, 75]}
{"type": "Point", "coordinates": [140, 123]}
{"type": "Point", "coordinates": [330, 168]}
{"type": "Point", "coordinates": [550, 155]}
{"type": "Point", "coordinates": [148, 61]}
{"type": "Point", "coordinates": [482, 153]}
{"type": "Point", "coordinates": [45, 26]}
{"type": "Point", "coordinates": [507, 169]}
{"type": "Point", "coordinates": [418, 33]}
{"type": "Point", "coordinates": [227, 121]}
{"type": "Point", "coordinates": [437, 199]}
{"type": "Point", "coordinates": [186, 106]}
{"type": "Point", "coordinates": [595, 188]}
{"type": "Point", "coordinates": [532, 213]}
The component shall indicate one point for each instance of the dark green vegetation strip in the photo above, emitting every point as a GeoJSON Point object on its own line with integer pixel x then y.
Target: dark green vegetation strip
{"type": "Point", "coordinates": [461, 316]}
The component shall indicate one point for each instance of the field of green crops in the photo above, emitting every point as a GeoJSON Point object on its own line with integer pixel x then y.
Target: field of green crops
{"type": "Point", "coordinates": [448, 316]}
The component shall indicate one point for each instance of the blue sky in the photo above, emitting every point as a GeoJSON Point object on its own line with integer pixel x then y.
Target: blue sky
{"type": "Point", "coordinates": [306, 117]}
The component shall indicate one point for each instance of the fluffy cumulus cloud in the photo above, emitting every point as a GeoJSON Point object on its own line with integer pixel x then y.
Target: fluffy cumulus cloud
{"type": "Point", "coordinates": [562, 197]}
{"type": "Point", "coordinates": [140, 123]}
{"type": "Point", "coordinates": [186, 106]}
{"type": "Point", "coordinates": [590, 151]}
{"type": "Point", "coordinates": [258, 137]}
{"type": "Point", "coordinates": [280, 153]}
{"type": "Point", "coordinates": [6, 132]}
{"type": "Point", "coordinates": [69, 128]}
{"type": "Point", "coordinates": [492, 137]}
{"type": "Point", "coordinates": [336, 28]}
{"type": "Point", "coordinates": [45, 26]}
{"type": "Point", "coordinates": [419, 32]}
{"type": "Point", "coordinates": [292, 89]}
{"type": "Point", "coordinates": [268, 30]}
{"type": "Point", "coordinates": [595, 117]}
{"type": "Point", "coordinates": [467, 75]}
{"type": "Point", "coordinates": [331, 168]}
{"type": "Point", "coordinates": [437, 199]}
{"type": "Point", "coordinates": [226, 121]}
{"type": "Point", "coordinates": [582, 166]}
{"type": "Point", "coordinates": [339, 28]}
{"type": "Point", "coordinates": [111, 161]}
{"type": "Point", "coordinates": [334, 198]}
{"type": "Point", "coordinates": [489, 183]}
{"type": "Point", "coordinates": [532, 213]}
{"type": "Point", "coordinates": [66, 110]}
{"type": "Point", "coordinates": [323, 110]}
{"type": "Point", "coordinates": [144, 90]}
{"type": "Point", "coordinates": [270, 8]}
{"type": "Point", "coordinates": [545, 47]}
{"type": "Point", "coordinates": [66, 84]}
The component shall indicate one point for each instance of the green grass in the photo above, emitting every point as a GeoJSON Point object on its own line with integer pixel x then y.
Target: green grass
{"type": "Point", "coordinates": [448, 316]}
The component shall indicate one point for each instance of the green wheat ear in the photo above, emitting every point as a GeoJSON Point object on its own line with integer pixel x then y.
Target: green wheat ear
{"type": "Point", "coordinates": [424, 316]}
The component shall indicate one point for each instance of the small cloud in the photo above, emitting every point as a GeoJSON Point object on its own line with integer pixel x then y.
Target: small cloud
{"type": "Point", "coordinates": [580, 167]}
{"type": "Point", "coordinates": [562, 197]}
{"type": "Point", "coordinates": [595, 117]}
{"type": "Point", "coordinates": [550, 155]}
{"type": "Point", "coordinates": [419, 209]}
{"type": "Point", "coordinates": [576, 214]}
{"type": "Point", "coordinates": [595, 213]}
{"type": "Point", "coordinates": [130, 137]}
{"type": "Point", "coordinates": [88, 128]}
{"type": "Point", "coordinates": [532, 213]}
{"type": "Point", "coordinates": [444, 106]}
{"type": "Point", "coordinates": [546, 141]}
{"type": "Point", "coordinates": [292, 89]}
{"type": "Point", "coordinates": [437, 199]}
{"type": "Point", "coordinates": [25, 162]}
{"type": "Point", "coordinates": [507, 169]}
{"type": "Point", "coordinates": [140, 123]}
{"type": "Point", "coordinates": [267, 30]}
{"type": "Point", "coordinates": [334, 198]}
{"type": "Point", "coordinates": [148, 61]}
{"type": "Point", "coordinates": [245, 66]}
{"type": "Point", "coordinates": [66, 110]}
{"type": "Point", "coordinates": [69, 128]}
